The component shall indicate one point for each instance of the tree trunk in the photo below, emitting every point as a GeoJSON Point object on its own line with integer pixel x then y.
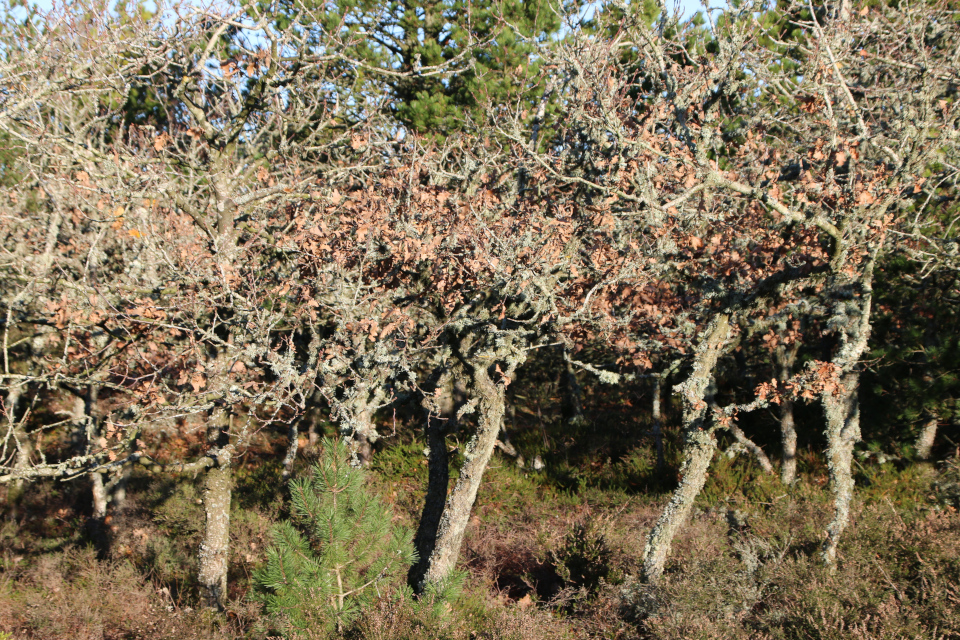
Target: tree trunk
{"type": "Point", "coordinates": [456, 512]}
{"type": "Point", "coordinates": [924, 444]}
{"type": "Point", "coordinates": [439, 418]}
{"type": "Point", "coordinates": [842, 412]}
{"type": "Point", "coordinates": [572, 403]}
{"type": "Point", "coordinates": [21, 441]}
{"type": "Point", "coordinates": [22, 460]}
{"type": "Point", "coordinates": [215, 548]}
{"type": "Point", "coordinates": [293, 444]}
{"type": "Point", "coordinates": [699, 446]}
{"type": "Point", "coordinates": [698, 451]}
{"type": "Point", "coordinates": [361, 438]}
{"type": "Point", "coordinates": [98, 524]}
{"type": "Point", "coordinates": [658, 422]}
{"type": "Point", "coordinates": [752, 447]}
{"type": "Point", "coordinates": [312, 417]}
{"type": "Point", "coordinates": [118, 486]}
{"type": "Point", "coordinates": [98, 519]}
{"type": "Point", "coordinates": [788, 430]}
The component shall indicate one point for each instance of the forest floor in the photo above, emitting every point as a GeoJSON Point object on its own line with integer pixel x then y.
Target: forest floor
{"type": "Point", "coordinates": [548, 554]}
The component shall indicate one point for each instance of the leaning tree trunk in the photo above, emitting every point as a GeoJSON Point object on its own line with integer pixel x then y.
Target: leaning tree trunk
{"type": "Point", "coordinates": [788, 429]}
{"type": "Point", "coordinates": [439, 421]}
{"type": "Point", "coordinates": [456, 512]}
{"type": "Point", "coordinates": [752, 447]}
{"type": "Point", "coordinates": [699, 447]}
{"type": "Point", "coordinates": [215, 547]}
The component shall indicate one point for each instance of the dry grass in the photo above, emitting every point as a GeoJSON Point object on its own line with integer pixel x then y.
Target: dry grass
{"type": "Point", "coordinates": [73, 595]}
{"type": "Point", "coordinates": [744, 567]}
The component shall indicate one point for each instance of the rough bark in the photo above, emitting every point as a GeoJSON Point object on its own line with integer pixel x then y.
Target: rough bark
{"type": "Point", "coordinates": [361, 438]}
{"type": "Point", "coordinates": [788, 443]}
{"type": "Point", "coordinates": [699, 447]}
{"type": "Point", "coordinates": [98, 525]}
{"type": "Point", "coordinates": [786, 356]}
{"type": "Point", "coordinates": [842, 412]}
{"type": "Point", "coordinates": [439, 417]}
{"type": "Point", "coordinates": [924, 444]}
{"type": "Point", "coordinates": [293, 444]}
{"type": "Point", "coordinates": [456, 512]}
{"type": "Point", "coordinates": [215, 547]}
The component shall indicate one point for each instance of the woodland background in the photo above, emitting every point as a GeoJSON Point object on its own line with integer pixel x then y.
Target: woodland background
{"type": "Point", "coordinates": [443, 319]}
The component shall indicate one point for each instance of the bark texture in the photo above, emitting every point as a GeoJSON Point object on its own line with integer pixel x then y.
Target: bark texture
{"type": "Point", "coordinates": [456, 511]}
{"type": "Point", "coordinates": [699, 447]}
{"type": "Point", "coordinates": [439, 415]}
{"type": "Point", "coordinates": [924, 444]}
{"type": "Point", "coordinates": [786, 356]}
{"type": "Point", "coordinates": [842, 412]}
{"type": "Point", "coordinates": [215, 548]}
{"type": "Point", "coordinates": [361, 437]}
{"type": "Point", "coordinates": [293, 445]}
{"type": "Point", "coordinates": [842, 409]}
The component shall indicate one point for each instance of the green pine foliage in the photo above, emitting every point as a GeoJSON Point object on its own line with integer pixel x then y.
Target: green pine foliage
{"type": "Point", "coordinates": [486, 49]}
{"type": "Point", "coordinates": [339, 552]}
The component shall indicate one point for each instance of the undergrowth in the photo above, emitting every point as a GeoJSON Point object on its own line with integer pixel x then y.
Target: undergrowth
{"type": "Point", "coordinates": [546, 556]}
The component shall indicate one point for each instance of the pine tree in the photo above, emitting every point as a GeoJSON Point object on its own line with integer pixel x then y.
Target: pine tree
{"type": "Point", "coordinates": [484, 47]}
{"type": "Point", "coordinates": [337, 555]}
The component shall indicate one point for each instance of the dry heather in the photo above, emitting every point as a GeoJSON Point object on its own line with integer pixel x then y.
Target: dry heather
{"type": "Point", "coordinates": [541, 564]}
